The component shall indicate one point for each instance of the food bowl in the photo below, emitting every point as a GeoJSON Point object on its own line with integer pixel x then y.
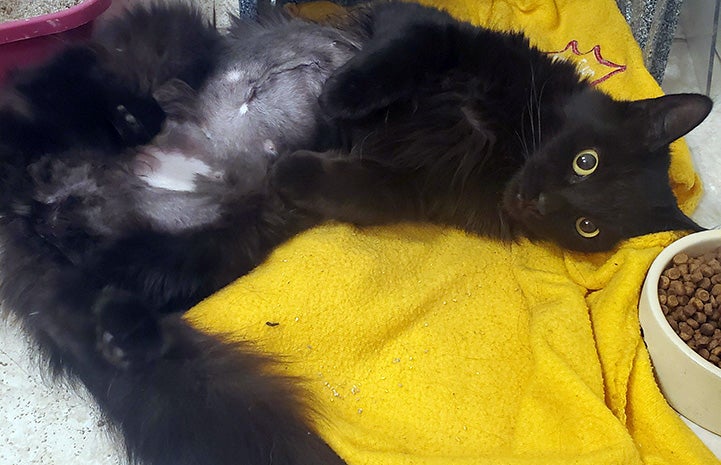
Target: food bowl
{"type": "Point", "coordinates": [690, 383]}
{"type": "Point", "coordinates": [27, 41]}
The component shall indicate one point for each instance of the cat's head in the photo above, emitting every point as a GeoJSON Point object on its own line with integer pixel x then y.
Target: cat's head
{"type": "Point", "coordinates": [603, 176]}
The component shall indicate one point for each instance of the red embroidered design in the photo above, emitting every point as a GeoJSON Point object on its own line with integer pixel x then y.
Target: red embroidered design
{"type": "Point", "coordinates": [590, 68]}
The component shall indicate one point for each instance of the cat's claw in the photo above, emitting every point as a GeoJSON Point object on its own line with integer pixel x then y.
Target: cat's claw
{"type": "Point", "coordinates": [128, 334]}
{"type": "Point", "coordinates": [112, 353]}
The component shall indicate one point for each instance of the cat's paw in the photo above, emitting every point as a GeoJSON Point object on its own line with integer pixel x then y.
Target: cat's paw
{"type": "Point", "coordinates": [358, 89]}
{"type": "Point", "coordinates": [296, 177]}
{"type": "Point", "coordinates": [136, 119]}
{"type": "Point", "coordinates": [345, 95]}
{"type": "Point", "coordinates": [128, 333]}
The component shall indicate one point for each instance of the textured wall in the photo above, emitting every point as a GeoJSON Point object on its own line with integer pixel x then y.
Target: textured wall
{"type": "Point", "coordinates": [653, 23]}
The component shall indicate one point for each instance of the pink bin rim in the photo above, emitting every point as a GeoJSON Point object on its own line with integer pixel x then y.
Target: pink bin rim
{"type": "Point", "coordinates": [52, 23]}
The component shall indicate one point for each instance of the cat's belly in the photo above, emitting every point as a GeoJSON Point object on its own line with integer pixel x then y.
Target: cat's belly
{"type": "Point", "coordinates": [176, 190]}
{"type": "Point", "coordinates": [172, 170]}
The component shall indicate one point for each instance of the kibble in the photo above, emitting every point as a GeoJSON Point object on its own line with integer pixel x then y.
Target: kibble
{"type": "Point", "coordinates": [687, 291]}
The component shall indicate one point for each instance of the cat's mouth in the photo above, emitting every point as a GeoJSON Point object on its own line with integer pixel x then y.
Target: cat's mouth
{"type": "Point", "coordinates": [523, 207]}
{"type": "Point", "coordinates": [533, 208]}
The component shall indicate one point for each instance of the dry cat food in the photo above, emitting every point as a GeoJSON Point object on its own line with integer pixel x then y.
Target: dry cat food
{"type": "Point", "coordinates": [17, 9]}
{"type": "Point", "coordinates": [689, 291]}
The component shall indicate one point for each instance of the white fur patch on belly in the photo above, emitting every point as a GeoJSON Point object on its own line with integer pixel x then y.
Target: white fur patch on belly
{"type": "Point", "coordinates": [169, 170]}
{"type": "Point", "coordinates": [233, 75]}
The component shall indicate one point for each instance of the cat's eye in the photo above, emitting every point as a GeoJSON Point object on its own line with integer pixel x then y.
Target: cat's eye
{"type": "Point", "coordinates": [585, 162]}
{"type": "Point", "coordinates": [586, 228]}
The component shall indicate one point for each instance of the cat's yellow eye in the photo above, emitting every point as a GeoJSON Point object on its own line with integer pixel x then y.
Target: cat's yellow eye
{"type": "Point", "coordinates": [586, 228]}
{"type": "Point", "coordinates": [585, 162]}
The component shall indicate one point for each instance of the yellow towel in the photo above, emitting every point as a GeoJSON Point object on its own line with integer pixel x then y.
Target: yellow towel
{"type": "Point", "coordinates": [424, 345]}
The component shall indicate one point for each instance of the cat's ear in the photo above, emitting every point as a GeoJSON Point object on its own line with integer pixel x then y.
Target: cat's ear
{"type": "Point", "coordinates": [669, 117]}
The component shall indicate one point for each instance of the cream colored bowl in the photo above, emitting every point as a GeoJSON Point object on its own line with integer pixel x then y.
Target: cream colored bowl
{"type": "Point", "coordinates": [691, 384]}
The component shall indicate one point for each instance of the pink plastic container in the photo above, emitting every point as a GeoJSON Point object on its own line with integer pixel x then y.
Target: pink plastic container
{"type": "Point", "coordinates": [27, 41]}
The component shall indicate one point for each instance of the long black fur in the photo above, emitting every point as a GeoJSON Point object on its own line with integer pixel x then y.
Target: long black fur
{"type": "Point", "coordinates": [204, 401]}
{"type": "Point", "coordinates": [441, 121]}
{"type": "Point", "coordinates": [477, 129]}
{"type": "Point", "coordinates": [102, 304]}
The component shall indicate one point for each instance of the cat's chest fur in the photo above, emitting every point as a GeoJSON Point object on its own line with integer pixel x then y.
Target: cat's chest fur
{"type": "Point", "coordinates": [260, 102]}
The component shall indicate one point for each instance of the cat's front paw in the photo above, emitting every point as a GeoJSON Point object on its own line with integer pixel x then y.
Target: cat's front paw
{"type": "Point", "coordinates": [344, 95]}
{"type": "Point", "coordinates": [364, 86]}
{"type": "Point", "coordinates": [128, 333]}
{"type": "Point", "coordinates": [297, 177]}
{"type": "Point", "coordinates": [136, 119]}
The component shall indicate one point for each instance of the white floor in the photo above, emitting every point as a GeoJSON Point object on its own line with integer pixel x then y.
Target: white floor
{"type": "Point", "coordinates": [42, 423]}
{"type": "Point", "coordinates": [705, 140]}
{"type": "Point", "coordinates": [46, 424]}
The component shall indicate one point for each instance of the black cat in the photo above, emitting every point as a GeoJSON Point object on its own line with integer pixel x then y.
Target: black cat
{"type": "Point", "coordinates": [135, 183]}
{"type": "Point", "coordinates": [466, 127]}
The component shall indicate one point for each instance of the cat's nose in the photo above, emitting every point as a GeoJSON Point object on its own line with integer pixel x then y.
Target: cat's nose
{"type": "Point", "coordinates": [548, 203]}
{"type": "Point", "coordinates": [533, 207]}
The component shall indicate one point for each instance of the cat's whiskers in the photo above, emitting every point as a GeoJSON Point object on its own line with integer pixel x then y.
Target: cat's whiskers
{"type": "Point", "coordinates": [538, 113]}
{"type": "Point", "coordinates": [534, 106]}
{"type": "Point", "coordinates": [362, 143]}
{"type": "Point", "coordinates": [529, 108]}
{"type": "Point", "coordinates": [502, 226]}
{"type": "Point", "coordinates": [522, 135]}
{"type": "Point", "coordinates": [533, 129]}
{"type": "Point", "coordinates": [529, 112]}
{"type": "Point", "coordinates": [522, 139]}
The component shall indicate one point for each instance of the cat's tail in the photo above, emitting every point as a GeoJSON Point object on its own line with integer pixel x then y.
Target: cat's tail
{"type": "Point", "coordinates": [208, 402]}
{"type": "Point", "coordinates": [204, 401]}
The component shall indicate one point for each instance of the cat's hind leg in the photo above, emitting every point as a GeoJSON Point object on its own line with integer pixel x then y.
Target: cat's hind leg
{"type": "Point", "coordinates": [73, 101]}
{"type": "Point", "coordinates": [202, 401]}
{"type": "Point", "coordinates": [101, 94]}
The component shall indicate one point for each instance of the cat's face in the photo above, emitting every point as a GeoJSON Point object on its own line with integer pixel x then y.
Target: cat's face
{"type": "Point", "coordinates": [603, 177]}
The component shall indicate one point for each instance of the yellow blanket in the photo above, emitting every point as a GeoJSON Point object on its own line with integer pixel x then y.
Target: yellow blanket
{"type": "Point", "coordinates": [425, 345]}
